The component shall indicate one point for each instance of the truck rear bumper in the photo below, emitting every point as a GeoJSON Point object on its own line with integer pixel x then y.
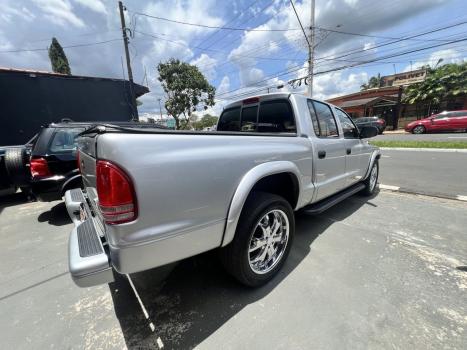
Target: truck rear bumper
{"type": "Point", "coordinates": [88, 258]}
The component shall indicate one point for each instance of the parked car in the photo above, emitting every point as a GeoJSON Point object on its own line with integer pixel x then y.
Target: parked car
{"type": "Point", "coordinates": [53, 163]}
{"type": "Point", "coordinates": [152, 197]}
{"type": "Point", "coordinates": [379, 123]}
{"type": "Point", "coordinates": [445, 121]}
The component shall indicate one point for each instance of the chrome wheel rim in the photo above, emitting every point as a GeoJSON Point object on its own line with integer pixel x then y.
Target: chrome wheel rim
{"type": "Point", "coordinates": [373, 177]}
{"type": "Point", "coordinates": [268, 241]}
{"type": "Point", "coordinates": [418, 129]}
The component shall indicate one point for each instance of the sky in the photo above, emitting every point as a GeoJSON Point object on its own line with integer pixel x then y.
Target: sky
{"type": "Point", "coordinates": [266, 49]}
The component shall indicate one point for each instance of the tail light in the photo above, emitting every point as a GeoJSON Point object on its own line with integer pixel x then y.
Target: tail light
{"type": "Point", "coordinates": [381, 121]}
{"type": "Point", "coordinates": [117, 200]}
{"type": "Point", "coordinates": [39, 168]}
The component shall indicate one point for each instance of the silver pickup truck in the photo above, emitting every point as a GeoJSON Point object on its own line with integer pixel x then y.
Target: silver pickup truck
{"type": "Point", "coordinates": [153, 197]}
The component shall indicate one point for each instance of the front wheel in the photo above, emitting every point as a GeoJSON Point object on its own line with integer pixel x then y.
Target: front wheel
{"type": "Point", "coordinates": [419, 129]}
{"type": "Point", "coordinates": [262, 239]}
{"type": "Point", "coordinates": [372, 180]}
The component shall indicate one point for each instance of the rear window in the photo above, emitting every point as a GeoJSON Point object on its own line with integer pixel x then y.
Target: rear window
{"type": "Point", "coordinates": [229, 120]}
{"type": "Point", "coordinates": [64, 140]}
{"type": "Point", "coordinates": [274, 117]}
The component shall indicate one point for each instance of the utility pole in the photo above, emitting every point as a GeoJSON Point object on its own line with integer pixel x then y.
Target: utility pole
{"type": "Point", "coordinates": [311, 49]}
{"type": "Point", "coordinates": [128, 63]}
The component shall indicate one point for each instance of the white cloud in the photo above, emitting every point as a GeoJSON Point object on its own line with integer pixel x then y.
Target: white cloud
{"type": "Point", "coordinates": [224, 85]}
{"type": "Point", "coordinates": [59, 12]}
{"type": "Point", "coordinates": [10, 12]}
{"type": "Point", "coordinates": [337, 83]}
{"type": "Point", "coordinates": [94, 5]}
{"type": "Point", "coordinates": [206, 64]}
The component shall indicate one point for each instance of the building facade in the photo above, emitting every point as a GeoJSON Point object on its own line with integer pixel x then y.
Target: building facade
{"type": "Point", "coordinates": [386, 101]}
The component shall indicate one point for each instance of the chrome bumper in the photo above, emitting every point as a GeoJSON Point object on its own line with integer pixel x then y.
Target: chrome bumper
{"type": "Point", "coordinates": [88, 260]}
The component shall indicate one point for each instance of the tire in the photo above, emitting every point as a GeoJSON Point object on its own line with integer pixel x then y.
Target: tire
{"type": "Point", "coordinates": [236, 257]}
{"type": "Point", "coordinates": [419, 129]}
{"type": "Point", "coordinates": [371, 186]}
{"type": "Point", "coordinates": [15, 164]}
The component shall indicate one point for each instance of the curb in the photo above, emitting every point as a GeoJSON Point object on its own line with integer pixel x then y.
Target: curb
{"type": "Point", "coordinates": [447, 150]}
{"type": "Point", "coordinates": [391, 188]}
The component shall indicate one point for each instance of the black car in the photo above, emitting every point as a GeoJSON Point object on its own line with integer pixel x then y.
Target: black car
{"type": "Point", "coordinates": [379, 123]}
{"type": "Point", "coordinates": [53, 163]}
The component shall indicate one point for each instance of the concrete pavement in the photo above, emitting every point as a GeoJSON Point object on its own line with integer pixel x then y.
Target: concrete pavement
{"type": "Point", "coordinates": [386, 272]}
{"type": "Point", "coordinates": [428, 172]}
{"type": "Point", "coordinates": [444, 137]}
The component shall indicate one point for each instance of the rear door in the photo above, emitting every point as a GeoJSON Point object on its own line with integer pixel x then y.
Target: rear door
{"type": "Point", "coordinates": [355, 158]}
{"type": "Point", "coordinates": [329, 152]}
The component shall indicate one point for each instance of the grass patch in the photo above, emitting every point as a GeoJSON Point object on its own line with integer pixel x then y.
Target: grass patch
{"type": "Point", "coordinates": [421, 144]}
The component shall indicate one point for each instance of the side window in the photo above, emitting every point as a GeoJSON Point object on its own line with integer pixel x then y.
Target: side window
{"type": "Point", "coordinates": [249, 115]}
{"type": "Point", "coordinates": [64, 140]}
{"type": "Point", "coordinates": [314, 118]}
{"type": "Point", "coordinates": [327, 123]}
{"type": "Point", "coordinates": [350, 130]}
{"type": "Point", "coordinates": [229, 120]}
{"type": "Point", "coordinates": [276, 116]}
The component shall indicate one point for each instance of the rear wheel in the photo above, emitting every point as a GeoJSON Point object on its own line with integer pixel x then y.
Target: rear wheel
{"type": "Point", "coordinates": [419, 129]}
{"type": "Point", "coordinates": [372, 180]}
{"type": "Point", "coordinates": [262, 240]}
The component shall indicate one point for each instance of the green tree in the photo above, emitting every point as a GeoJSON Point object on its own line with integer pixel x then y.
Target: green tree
{"type": "Point", "coordinates": [186, 88]}
{"type": "Point", "coordinates": [206, 121]}
{"type": "Point", "coordinates": [446, 81]}
{"type": "Point", "coordinates": [373, 82]}
{"type": "Point", "coordinates": [58, 58]}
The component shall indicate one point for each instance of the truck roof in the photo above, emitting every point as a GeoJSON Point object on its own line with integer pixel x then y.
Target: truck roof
{"type": "Point", "coordinates": [266, 97]}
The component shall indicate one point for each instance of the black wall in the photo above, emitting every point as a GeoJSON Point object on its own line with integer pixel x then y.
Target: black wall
{"type": "Point", "coordinates": [31, 100]}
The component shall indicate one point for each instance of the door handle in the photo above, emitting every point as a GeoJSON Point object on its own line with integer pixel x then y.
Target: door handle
{"type": "Point", "coordinates": [349, 150]}
{"type": "Point", "coordinates": [321, 154]}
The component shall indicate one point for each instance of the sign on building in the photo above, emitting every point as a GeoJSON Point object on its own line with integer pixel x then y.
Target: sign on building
{"type": "Point", "coordinates": [406, 78]}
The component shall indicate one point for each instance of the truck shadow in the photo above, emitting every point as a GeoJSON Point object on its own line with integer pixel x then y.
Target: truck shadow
{"type": "Point", "coordinates": [57, 215]}
{"type": "Point", "coordinates": [182, 304]}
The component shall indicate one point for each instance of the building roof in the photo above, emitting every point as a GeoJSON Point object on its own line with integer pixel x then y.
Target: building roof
{"type": "Point", "coordinates": [365, 101]}
{"type": "Point", "coordinates": [139, 89]}
{"type": "Point", "coordinates": [386, 91]}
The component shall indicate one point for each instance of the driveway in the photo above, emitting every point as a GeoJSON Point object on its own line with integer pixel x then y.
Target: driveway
{"type": "Point", "coordinates": [388, 272]}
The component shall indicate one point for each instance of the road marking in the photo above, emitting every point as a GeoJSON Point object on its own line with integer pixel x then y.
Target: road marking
{"type": "Point", "coordinates": [389, 187]}
{"type": "Point", "coordinates": [461, 198]}
{"type": "Point", "coordinates": [383, 156]}
{"type": "Point", "coordinates": [457, 137]}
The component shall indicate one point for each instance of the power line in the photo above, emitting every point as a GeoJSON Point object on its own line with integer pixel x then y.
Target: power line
{"type": "Point", "coordinates": [214, 27]}
{"type": "Point", "coordinates": [65, 47]}
{"type": "Point", "coordinates": [349, 66]}
{"type": "Point", "coordinates": [373, 36]}
{"type": "Point", "coordinates": [229, 22]}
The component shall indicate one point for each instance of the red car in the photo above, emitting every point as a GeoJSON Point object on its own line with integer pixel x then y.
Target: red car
{"type": "Point", "coordinates": [445, 121]}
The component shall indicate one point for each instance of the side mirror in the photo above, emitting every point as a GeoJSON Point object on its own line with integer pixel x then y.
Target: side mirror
{"type": "Point", "coordinates": [368, 131]}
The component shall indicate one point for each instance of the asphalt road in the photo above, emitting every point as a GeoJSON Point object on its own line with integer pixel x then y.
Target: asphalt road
{"type": "Point", "coordinates": [386, 272]}
{"type": "Point", "coordinates": [427, 172]}
{"type": "Point", "coordinates": [445, 137]}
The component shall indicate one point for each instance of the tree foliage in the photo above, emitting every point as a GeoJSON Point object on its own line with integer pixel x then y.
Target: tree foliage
{"type": "Point", "coordinates": [446, 81]}
{"type": "Point", "coordinates": [373, 82]}
{"type": "Point", "coordinates": [186, 88]}
{"type": "Point", "coordinates": [58, 58]}
{"type": "Point", "coordinates": [206, 121]}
